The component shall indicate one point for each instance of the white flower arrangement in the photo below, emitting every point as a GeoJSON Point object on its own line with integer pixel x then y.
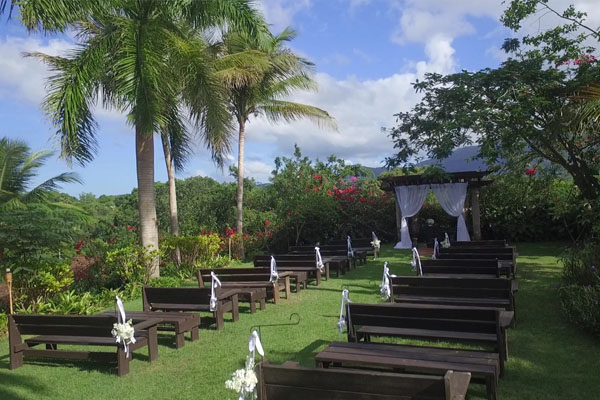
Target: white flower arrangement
{"type": "Point", "coordinates": [376, 244]}
{"type": "Point", "coordinates": [124, 332]}
{"type": "Point", "coordinates": [445, 244]}
{"type": "Point", "coordinates": [244, 381]}
{"type": "Point", "coordinates": [430, 221]}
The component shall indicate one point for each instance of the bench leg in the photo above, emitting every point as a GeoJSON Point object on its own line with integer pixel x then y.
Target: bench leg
{"type": "Point", "coordinates": [318, 274]}
{"type": "Point", "coordinates": [179, 340]}
{"type": "Point", "coordinates": [287, 287]}
{"type": "Point", "coordinates": [153, 343]}
{"type": "Point", "coordinates": [235, 310]}
{"type": "Point", "coordinates": [122, 362]}
{"type": "Point", "coordinates": [14, 339]}
{"type": "Point", "coordinates": [327, 272]}
{"type": "Point", "coordinates": [195, 333]}
{"type": "Point", "coordinates": [491, 388]}
{"type": "Point", "coordinates": [263, 304]}
{"type": "Point", "coordinates": [276, 293]}
{"type": "Point", "coordinates": [219, 317]}
{"type": "Point", "coordinates": [252, 306]}
{"type": "Point", "coordinates": [50, 346]}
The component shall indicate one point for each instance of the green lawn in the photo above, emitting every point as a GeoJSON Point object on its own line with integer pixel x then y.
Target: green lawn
{"type": "Point", "coordinates": [548, 358]}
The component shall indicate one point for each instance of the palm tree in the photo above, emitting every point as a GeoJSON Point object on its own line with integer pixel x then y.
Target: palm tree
{"type": "Point", "coordinates": [263, 90]}
{"type": "Point", "coordinates": [18, 167]}
{"type": "Point", "coordinates": [145, 59]}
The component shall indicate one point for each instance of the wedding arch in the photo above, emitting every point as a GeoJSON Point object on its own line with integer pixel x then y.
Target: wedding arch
{"type": "Point", "coordinates": [451, 192]}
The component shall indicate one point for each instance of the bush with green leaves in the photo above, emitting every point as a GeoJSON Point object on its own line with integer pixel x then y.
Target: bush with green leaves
{"type": "Point", "coordinates": [195, 252]}
{"type": "Point", "coordinates": [580, 292]}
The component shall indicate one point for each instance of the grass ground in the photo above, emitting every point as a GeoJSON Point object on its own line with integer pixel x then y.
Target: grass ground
{"type": "Point", "coordinates": [549, 359]}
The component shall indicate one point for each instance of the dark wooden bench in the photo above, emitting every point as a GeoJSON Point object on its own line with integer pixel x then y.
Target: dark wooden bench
{"type": "Point", "coordinates": [294, 265]}
{"type": "Point", "coordinates": [192, 299]}
{"type": "Point", "coordinates": [292, 382]}
{"type": "Point", "coordinates": [506, 260]}
{"type": "Point", "coordinates": [483, 366]}
{"type": "Point", "coordinates": [360, 244]}
{"type": "Point", "coordinates": [480, 243]}
{"type": "Point", "coordinates": [359, 254]}
{"type": "Point", "coordinates": [431, 322]}
{"type": "Point", "coordinates": [247, 279]}
{"type": "Point", "coordinates": [77, 330]}
{"type": "Point", "coordinates": [337, 259]}
{"type": "Point", "coordinates": [477, 292]}
{"type": "Point", "coordinates": [491, 268]}
{"type": "Point", "coordinates": [178, 322]}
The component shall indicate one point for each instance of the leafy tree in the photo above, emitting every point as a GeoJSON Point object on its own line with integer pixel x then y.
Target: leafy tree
{"type": "Point", "coordinates": [260, 89]}
{"type": "Point", "coordinates": [521, 113]}
{"type": "Point", "coordinates": [147, 60]}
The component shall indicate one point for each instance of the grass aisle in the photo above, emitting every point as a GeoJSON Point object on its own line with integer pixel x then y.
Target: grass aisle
{"type": "Point", "coordinates": [548, 358]}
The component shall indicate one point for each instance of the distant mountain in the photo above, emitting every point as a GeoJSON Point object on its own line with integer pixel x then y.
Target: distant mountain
{"type": "Point", "coordinates": [459, 161]}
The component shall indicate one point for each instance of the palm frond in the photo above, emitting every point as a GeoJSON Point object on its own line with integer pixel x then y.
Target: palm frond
{"type": "Point", "coordinates": [277, 110]}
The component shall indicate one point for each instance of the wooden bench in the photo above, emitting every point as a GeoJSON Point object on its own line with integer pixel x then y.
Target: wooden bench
{"type": "Point", "coordinates": [305, 265]}
{"type": "Point", "coordinates": [292, 382]}
{"type": "Point", "coordinates": [490, 268]}
{"type": "Point", "coordinates": [336, 259]}
{"type": "Point", "coordinates": [483, 366]}
{"type": "Point", "coordinates": [178, 322]}
{"type": "Point", "coordinates": [78, 330]}
{"type": "Point", "coordinates": [360, 244]}
{"type": "Point", "coordinates": [506, 260]}
{"type": "Point", "coordinates": [431, 322]}
{"type": "Point", "coordinates": [192, 299]}
{"type": "Point", "coordinates": [359, 254]}
{"type": "Point", "coordinates": [248, 279]}
{"type": "Point", "coordinates": [477, 292]}
{"type": "Point", "coordinates": [480, 243]}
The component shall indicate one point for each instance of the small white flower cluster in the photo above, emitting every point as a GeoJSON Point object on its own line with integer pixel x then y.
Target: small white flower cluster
{"type": "Point", "coordinates": [376, 243]}
{"type": "Point", "coordinates": [124, 331]}
{"type": "Point", "coordinates": [244, 380]}
{"type": "Point", "coordinates": [445, 244]}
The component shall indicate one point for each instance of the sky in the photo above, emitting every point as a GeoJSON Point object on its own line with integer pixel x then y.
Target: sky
{"type": "Point", "coordinates": [367, 55]}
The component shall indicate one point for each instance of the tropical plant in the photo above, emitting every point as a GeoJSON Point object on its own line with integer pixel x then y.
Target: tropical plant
{"type": "Point", "coordinates": [147, 60]}
{"type": "Point", "coordinates": [18, 168]}
{"type": "Point", "coordinates": [261, 89]}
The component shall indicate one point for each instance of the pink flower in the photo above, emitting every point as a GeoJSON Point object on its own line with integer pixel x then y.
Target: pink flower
{"type": "Point", "coordinates": [341, 181]}
{"type": "Point", "coordinates": [531, 171]}
{"type": "Point", "coordinates": [267, 223]}
{"type": "Point", "coordinates": [353, 178]}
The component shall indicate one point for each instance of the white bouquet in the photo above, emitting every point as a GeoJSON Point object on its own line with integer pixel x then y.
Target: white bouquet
{"type": "Point", "coordinates": [123, 332]}
{"type": "Point", "coordinates": [376, 243]}
{"type": "Point", "coordinates": [243, 381]}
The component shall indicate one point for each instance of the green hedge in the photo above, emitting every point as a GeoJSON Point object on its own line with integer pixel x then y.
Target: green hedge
{"type": "Point", "coordinates": [3, 324]}
{"type": "Point", "coordinates": [581, 305]}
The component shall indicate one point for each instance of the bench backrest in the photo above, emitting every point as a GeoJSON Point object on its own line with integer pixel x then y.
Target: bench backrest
{"type": "Point", "coordinates": [493, 288]}
{"type": "Point", "coordinates": [322, 248]}
{"type": "Point", "coordinates": [430, 317]}
{"type": "Point", "coordinates": [63, 325]}
{"type": "Point", "coordinates": [291, 382]}
{"type": "Point", "coordinates": [488, 250]}
{"type": "Point", "coordinates": [282, 264]}
{"type": "Point", "coordinates": [229, 275]}
{"type": "Point", "coordinates": [485, 263]}
{"type": "Point", "coordinates": [287, 257]}
{"type": "Point", "coordinates": [193, 296]}
{"type": "Point", "coordinates": [358, 242]}
{"type": "Point", "coordinates": [480, 243]}
{"type": "Point", "coordinates": [476, 256]}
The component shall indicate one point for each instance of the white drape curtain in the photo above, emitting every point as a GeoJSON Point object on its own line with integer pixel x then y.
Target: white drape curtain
{"type": "Point", "coordinates": [410, 200]}
{"type": "Point", "coordinates": [451, 197]}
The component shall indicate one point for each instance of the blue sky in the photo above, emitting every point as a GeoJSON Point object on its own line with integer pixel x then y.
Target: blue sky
{"type": "Point", "coordinates": [367, 54]}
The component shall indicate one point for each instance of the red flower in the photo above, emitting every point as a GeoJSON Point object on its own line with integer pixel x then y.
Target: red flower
{"type": "Point", "coordinates": [558, 198]}
{"type": "Point", "coordinates": [288, 212]}
{"type": "Point", "coordinates": [362, 200]}
{"type": "Point", "coordinates": [597, 159]}
{"type": "Point", "coordinates": [267, 223]}
{"type": "Point", "coordinates": [316, 188]}
{"type": "Point", "coordinates": [577, 62]}
{"type": "Point", "coordinates": [130, 228]}
{"type": "Point", "coordinates": [329, 192]}
{"type": "Point", "coordinates": [79, 245]}
{"type": "Point", "coordinates": [531, 171]}
{"type": "Point", "coordinates": [229, 232]}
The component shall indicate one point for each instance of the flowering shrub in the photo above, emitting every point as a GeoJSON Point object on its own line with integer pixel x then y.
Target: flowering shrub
{"type": "Point", "coordinates": [200, 251]}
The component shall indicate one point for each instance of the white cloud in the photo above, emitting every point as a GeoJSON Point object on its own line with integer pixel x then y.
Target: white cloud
{"type": "Point", "coordinates": [280, 13]}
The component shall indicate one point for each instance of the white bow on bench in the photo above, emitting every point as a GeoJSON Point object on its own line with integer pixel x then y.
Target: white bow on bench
{"type": "Point", "coordinates": [274, 274]}
{"type": "Point", "coordinates": [386, 289]}
{"type": "Point", "coordinates": [416, 261]}
{"type": "Point", "coordinates": [319, 259]}
{"type": "Point", "coordinates": [123, 330]}
{"type": "Point", "coordinates": [350, 250]}
{"type": "Point", "coordinates": [342, 321]}
{"type": "Point", "coordinates": [213, 297]}
{"type": "Point", "coordinates": [436, 249]}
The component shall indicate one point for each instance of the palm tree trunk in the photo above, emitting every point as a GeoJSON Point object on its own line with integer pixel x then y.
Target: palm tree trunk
{"type": "Point", "coordinates": [172, 196]}
{"type": "Point", "coordinates": [240, 187]}
{"type": "Point", "coordinates": [144, 145]}
{"type": "Point", "coordinates": [172, 187]}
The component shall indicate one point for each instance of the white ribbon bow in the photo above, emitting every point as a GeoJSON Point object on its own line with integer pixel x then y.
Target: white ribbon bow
{"type": "Point", "coordinates": [213, 297]}
{"type": "Point", "coordinates": [446, 243]}
{"type": "Point", "coordinates": [350, 250]}
{"type": "Point", "coordinates": [416, 261]}
{"type": "Point", "coordinates": [386, 289]}
{"type": "Point", "coordinates": [274, 274]}
{"type": "Point", "coordinates": [342, 321]}
{"type": "Point", "coordinates": [255, 345]}
{"type": "Point", "coordinates": [436, 249]}
{"type": "Point", "coordinates": [122, 320]}
{"type": "Point", "coordinates": [319, 259]}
